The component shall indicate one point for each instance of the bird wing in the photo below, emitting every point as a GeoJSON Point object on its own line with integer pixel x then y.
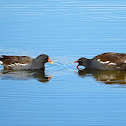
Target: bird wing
{"type": "Point", "coordinates": [117, 58]}
{"type": "Point", "coordinates": [8, 60]}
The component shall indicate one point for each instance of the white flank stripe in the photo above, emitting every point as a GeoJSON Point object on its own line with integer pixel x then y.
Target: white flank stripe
{"type": "Point", "coordinates": [102, 61]}
{"type": "Point", "coordinates": [112, 64]}
{"type": "Point", "coordinates": [17, 64]}
{"type": "Point", "coordinates": [98, 60]}
{"type": "Point", "coordinates": [23, 64]}
{"type": "Point", "coordinates": [10, 65]}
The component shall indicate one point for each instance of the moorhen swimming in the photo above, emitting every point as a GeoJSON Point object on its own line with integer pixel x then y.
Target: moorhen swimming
{"type": "Point", "coordinates": [105, 61]}
{"type": "Point", "coordinates": [24, 62]}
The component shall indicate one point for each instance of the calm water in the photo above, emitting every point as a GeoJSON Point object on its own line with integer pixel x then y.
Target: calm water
{"type": "Point", "coordinates": [62, 95]}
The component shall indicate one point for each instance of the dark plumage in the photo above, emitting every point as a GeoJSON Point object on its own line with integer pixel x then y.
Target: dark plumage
{"type": "Point", "coordinates": [24, 62]}
{"type": "Point", "coordinates": [107, 77]}
{"type": "Point", "coordinates": [105, 61]}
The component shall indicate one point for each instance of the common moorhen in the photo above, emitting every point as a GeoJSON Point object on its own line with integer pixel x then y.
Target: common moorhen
{"type": "Point", "coordinates": [24, 62]}
{"type": "Point", "coordinates": [105, 61]}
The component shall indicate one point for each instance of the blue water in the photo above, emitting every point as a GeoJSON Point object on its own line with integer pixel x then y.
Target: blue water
{"type": "Point", "coordinates": [65, 30]}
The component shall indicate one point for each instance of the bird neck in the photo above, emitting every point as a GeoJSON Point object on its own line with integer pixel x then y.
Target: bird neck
{"type": "Point", "coordinates": [38, 65]}
{"type": "Point", "coordinates": [87, 63]}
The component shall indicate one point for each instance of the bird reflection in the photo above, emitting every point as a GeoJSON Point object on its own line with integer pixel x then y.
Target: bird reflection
{"type": "Point", "coordinates": [108, 77]}
{"type": "Point", "coordinates": [25, 75]}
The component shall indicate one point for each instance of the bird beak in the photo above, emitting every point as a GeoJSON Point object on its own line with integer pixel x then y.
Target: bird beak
{"type": "Point", "coordinates": [75, 61]}
{"type": "Point", "coordinates": [50, 61]}
{"type": "Point", "coordinates": [77, 66]}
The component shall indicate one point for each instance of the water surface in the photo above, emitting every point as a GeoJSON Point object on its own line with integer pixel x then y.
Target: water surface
{"type": "Point", "coordinates": [65, 30]}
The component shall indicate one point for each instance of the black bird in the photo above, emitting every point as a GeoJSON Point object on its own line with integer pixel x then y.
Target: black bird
{"type": "Point", "coordinates": [24, 62]}
{"type": "Point", "coordinates": [105, 61]}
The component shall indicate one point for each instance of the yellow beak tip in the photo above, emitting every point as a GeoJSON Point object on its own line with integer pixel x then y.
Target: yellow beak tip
{"type": "Point", "coordinates": [73, 62]}
{"type": "Point", "coordinates": [51, 62]}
